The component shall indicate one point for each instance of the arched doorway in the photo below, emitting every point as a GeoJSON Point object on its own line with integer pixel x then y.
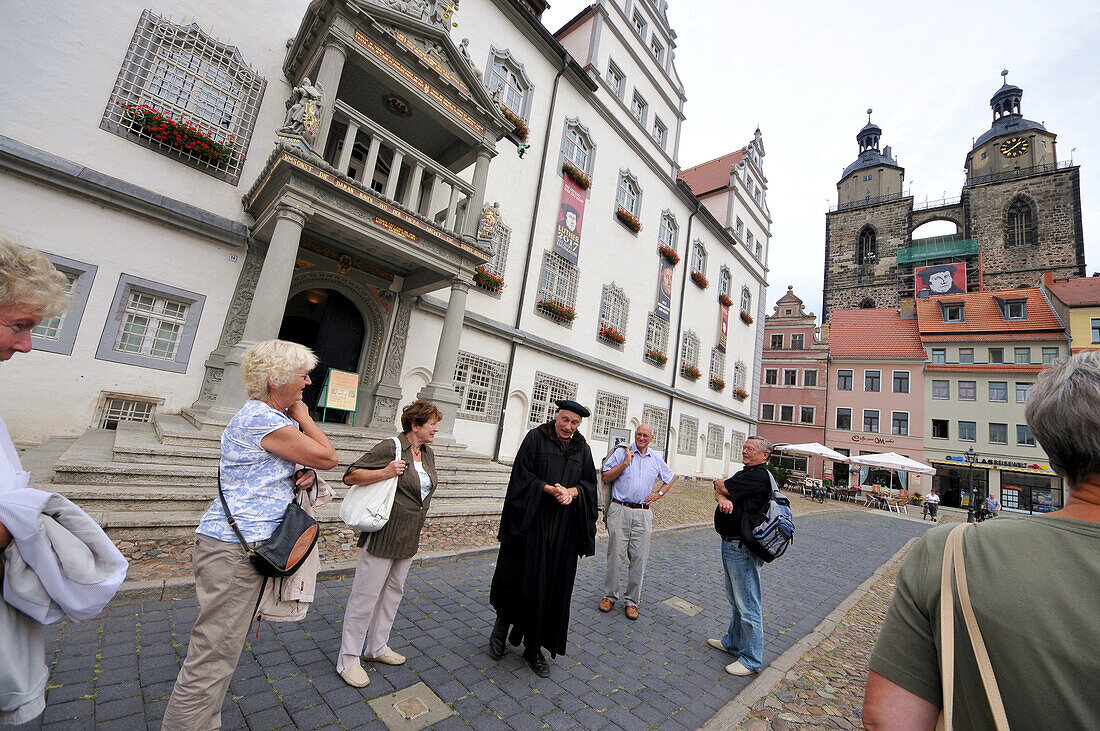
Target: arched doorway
{"type": "Point", "coordinates": [329, 323]}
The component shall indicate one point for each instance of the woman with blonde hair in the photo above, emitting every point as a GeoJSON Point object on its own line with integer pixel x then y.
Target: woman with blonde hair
{"type": "Point", "coordinates": [386, 555]}
{"type": "Point", "coordinates": [261, 448]}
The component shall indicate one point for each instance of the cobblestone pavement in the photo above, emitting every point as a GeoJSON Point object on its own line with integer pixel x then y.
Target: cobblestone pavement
{"type": "Point", "coordinates": [117, 672]}
{"type": "Point", "coordinates": [824, 690]}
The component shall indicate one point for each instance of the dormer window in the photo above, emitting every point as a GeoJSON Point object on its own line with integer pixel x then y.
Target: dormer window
{"type": "Point", "coordinates": [1013, 309]}
{"type": "Point", "coordinates": [952, 311]}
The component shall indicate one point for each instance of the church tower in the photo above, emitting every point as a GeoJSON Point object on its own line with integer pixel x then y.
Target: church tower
{"type": "Point", "coordinates": [864, 232]}
{"type": "Point", "coordinates": [1021, 204]}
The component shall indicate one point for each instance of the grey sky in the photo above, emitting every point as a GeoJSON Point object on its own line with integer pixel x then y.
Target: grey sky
{"type": "Point", "coordinates": [807, 71]}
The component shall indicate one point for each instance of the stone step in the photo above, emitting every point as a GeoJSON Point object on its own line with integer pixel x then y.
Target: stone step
{"type": "Point", "coordinates": [137, 525]}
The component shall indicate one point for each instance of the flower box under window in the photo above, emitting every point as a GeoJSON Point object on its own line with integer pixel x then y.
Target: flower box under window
{"type": "Point", "coordinates": [521, 129]}
{"type": "Point", "coordinates": [690, 371]}
{"type": "Point", "coordinates": [717, 384]}
{"type": "Point", "coordinates": [669, 254]}
{"type": "Point", "coordinates": [746, 318]}
{"type": "Point", "coordinates": [488, 281]}
{"type": "Point", "coordinates": [740, 393]}
{"type": "Point", "coordinates": [656, 357]}
{"type": "Point", "coordinates": [578, 176]}
{"type": "Point", "coordinates": [556, 310]}
{"type": "Point", "coordinates": [723, 299]}
{"type": "Point", "coordinates": [612, 335]}
{"type": "Point", "coordinates": [629, 219]}
{"type": "Point", "coordinates": [700, 280]}
{"type": "Point", "coordinates": [182, 135]}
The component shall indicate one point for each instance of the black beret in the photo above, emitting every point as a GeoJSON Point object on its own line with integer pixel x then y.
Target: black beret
{"type": "Point", "coordinates": [927, 272]}
{"type": "Point", "coordinates": [570, 405]}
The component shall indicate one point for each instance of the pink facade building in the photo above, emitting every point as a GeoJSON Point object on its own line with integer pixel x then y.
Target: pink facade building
{"type": "Point", "coordinates": [793, 381]}
{"type": "Point", "coordinates": [876, 392]}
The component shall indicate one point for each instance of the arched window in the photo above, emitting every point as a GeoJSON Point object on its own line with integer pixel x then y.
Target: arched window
{"type": "Point", "coordinates": [689, 350]}
{"type": "Point", "coordinates": [746, 300]}
{"type": "Point", "coordinates": [629, 195]}
{"type": "Point", "coordinates": [725, 281]}
{"type": "Point", "coordinates": [667, 235]}
{"type": "Point", "coordinates": [865, 249]}
{"type": "Point", "coordinates": [507, 75]}
{"type": "Point", "coordinates": [698, 257]}
{"type": "Point", "coordinates": [1021, 225]}
{"type": "Point", "coordinates": [577, 147]}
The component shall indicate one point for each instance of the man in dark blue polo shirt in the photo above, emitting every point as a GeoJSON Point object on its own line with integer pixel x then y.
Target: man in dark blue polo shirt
{"type": "Point", "coordinates": [745, 492]}
{"type": "Point", "coordinates": [633, 472]}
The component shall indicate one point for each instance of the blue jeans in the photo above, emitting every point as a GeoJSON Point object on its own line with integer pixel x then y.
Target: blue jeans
{"type": "Point", "coordinates": [745, 636]}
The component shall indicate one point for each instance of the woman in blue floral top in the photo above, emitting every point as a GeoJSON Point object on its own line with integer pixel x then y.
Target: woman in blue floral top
{"type": "Point", "coordinates": [261, 446]}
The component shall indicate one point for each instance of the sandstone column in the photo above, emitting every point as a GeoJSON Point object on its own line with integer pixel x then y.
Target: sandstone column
{"type": "Point", "coordinates": [441, 390]}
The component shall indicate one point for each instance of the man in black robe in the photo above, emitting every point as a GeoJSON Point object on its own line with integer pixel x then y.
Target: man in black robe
{"type": "Point", "coordinates": [548, 522]}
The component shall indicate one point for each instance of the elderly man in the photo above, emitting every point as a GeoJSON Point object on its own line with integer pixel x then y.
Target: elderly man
{"type": "Point", "coordinates": [745, 492]}
{"type": "Point", "coordinates": [1036, 614]}
{"type": "Point", "coordinates": [548, 522]}
{"type": "Point", "coordinates": [633, 473]}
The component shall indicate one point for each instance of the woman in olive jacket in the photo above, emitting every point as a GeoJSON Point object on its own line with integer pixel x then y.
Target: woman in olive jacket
{"type": "Point", "coordinates": [386, 555]}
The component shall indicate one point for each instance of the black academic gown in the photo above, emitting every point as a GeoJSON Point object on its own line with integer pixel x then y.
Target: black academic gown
{"type": "Point", "coordinates": [541, 540]}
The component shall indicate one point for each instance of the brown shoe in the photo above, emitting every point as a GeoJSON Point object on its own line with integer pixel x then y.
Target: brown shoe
{"type": "Point", "coordinates": [606, 603]}
{"type": "Point", "coordinates": [631, 612]}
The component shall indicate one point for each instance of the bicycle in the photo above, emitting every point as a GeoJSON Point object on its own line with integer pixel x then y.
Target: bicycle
{"type": "Point", "coordinates": [819, 493]}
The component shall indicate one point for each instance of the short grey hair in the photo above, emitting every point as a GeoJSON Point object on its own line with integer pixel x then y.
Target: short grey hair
{"type": "Point", "coordinates": [29, 281]}
{"type": "Point", "coordinates": [1063, 412]}
{"type": "Point", "coordinates": [765, 445]}
{"type": "Point", "coordinates": [273, 363]}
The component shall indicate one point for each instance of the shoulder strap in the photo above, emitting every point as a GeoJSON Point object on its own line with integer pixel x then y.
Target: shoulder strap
{"type": "Point", "coordinates": [229, 516]}
{"type": "Point", "coordinates": [953, 563]}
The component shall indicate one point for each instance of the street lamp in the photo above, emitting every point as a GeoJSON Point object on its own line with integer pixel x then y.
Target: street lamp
{"type": "Point", "coordinates": [971, 460]}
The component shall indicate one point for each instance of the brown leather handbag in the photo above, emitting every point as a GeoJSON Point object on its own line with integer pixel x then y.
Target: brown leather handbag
{"type": "Point", "coordinates": [284, 552]}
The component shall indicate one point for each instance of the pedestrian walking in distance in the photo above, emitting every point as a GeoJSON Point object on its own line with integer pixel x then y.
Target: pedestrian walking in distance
{"type": "Point", "coordinates": [261, 447]}
{"type": "Point", "coordinates": [548, 522]}
{"type": "Point", "coordinates": [746, 492]}
{"type": "Point", "coordinates": [386, 555]}
{"type": "Point", "coordinates": [632, 471]}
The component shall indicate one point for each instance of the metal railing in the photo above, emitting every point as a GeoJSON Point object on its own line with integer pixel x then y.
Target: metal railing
{"type": "Point", "coordinates": [941, 203]}
{"type": "Point", "coordinates": [868, 201]}
{"type": "Point", "coordinates": [1019, 173]}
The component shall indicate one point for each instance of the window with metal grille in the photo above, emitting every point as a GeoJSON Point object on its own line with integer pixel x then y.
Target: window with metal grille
{"type": "Point", "coordinates": [546, 391]}
{"type": "Point", "coordinates": [629, 195]}
{"type": "Point", "coordinates": [740, 374]}
{"type": "Point", "coordinates": [656, 333]}
{"type": "Point", "coordinates": [480, 385]}
{"type": "Point", "coordinates": [558, 280]}
{"type": "Point", "coordinates": [657, 418]}
{"type": "Point", "coordinates": [116, 409]}
{"type": "Point", "coordinates": [177, 78]}
{"type": "Point", "coordinates": [688, 438]}
{"type": "Point", "coordinates": [614, 308]}
{"type": "Point", "coordinates": [502, 236]}
{"type": "Point", "coordinates": [689, 350]}
{"type": "Point", "coordinates": [666, 234]}
{"type": "Point", "coordinates": [717, 364]}
{"type": "Point", "coordinates": [577, 147]}
{"type": "Point", "coordinates": [737, 441]}
{"type": "Point", "coordinates": [698, 257]}
{"type": "Point", "coordinates": [715, 435]}
{"type": "Point", "coordinates": [609, 412]}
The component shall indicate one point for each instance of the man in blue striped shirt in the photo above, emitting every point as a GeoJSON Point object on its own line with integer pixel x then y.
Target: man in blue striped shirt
{"type": "Point", "coordinates": [634, 472]}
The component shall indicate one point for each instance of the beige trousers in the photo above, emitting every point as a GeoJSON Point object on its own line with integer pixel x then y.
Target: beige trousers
{"type": "Point", "coordinates": [376, 593]}
{"type": "Point", "coordinates": [227, 587]}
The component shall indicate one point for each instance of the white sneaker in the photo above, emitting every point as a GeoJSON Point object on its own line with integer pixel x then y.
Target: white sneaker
{"type": "Point", "coordinates": [356, 676]}
{"type": "Point", "coordinates": [716, 644]}
{"type": "Point", "coordinates": [736, 668]}
{"type": "Point", "coordinates": [388, 657]}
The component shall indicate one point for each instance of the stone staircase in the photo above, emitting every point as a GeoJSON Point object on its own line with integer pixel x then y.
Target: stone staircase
{"type": "Point", "coordinates": [154, 480]}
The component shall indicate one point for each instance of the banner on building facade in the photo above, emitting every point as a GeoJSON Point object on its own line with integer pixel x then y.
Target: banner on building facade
{"type": "Point", "coordinates": [567, 239]}
{"type": "Point", "coordinates": [723, 325]}
{"type": "Point", "coordinates": [664, 290]}
{"type": "Point", "coordinates": [938, 279]}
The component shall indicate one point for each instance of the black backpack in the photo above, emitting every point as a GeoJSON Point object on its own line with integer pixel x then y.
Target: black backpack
{"type": "Point", "coordinates": [769, 532]}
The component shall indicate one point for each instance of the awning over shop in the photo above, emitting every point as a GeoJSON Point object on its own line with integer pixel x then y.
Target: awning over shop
{"type": "Point", "coordinates": [979, 465]}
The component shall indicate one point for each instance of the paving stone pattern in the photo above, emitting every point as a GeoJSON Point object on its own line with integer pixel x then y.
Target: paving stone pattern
{"type": "Point", "coordinates": [117, 672]}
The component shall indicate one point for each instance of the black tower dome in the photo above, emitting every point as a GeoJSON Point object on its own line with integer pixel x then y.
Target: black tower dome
{"type": "Point", "coordinates": [1007, 117]}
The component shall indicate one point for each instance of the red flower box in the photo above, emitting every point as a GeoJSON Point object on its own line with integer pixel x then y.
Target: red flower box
{"type": "Point", "coordinates": [690, 371]}
{"type": "Point", "coordinates": [723, 299]}
{"type": "Point", "coordinates": [522, 130]}
{"type": "Point", "coordinates": [488, 280]}
{"type": "Point", "coordinates": [740, 393]}
{"type": "Point", "coordinates": [746, 318]}
{"type": "Point", "coordinates": [576, 174]}
{"type": "Point", "coordinates": [557, 310]}
{"type": "Point", "coordinates": [669, 254]}
{"type": "Point", "coordinates": [656, 356]}
{"type": "Point", "coordinates": [628, 219]}
{"type": "Point", "coordinates": [612, 335]}
{"type": "Point", "coordinates": [717, 384]}
{"type": "Point", "coordinates": [701, 281]}
{"type": "Point", "coordinates": [180, 134]}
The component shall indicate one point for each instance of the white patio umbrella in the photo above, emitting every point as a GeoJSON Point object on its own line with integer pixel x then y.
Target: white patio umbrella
{"type": "Point", "coordinates": [811, 449]}
{"type": "Point", "coordinates": [892, 461]}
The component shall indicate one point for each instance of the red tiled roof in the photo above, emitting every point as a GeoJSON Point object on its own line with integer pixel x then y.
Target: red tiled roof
{"type": "Point", "coordinates": [982, 368]}
{"type": "Point", "coordinates": [712, 175]}
{"type": "Point", "coordinates": [983, 315]}
{"type": "Point", "coordinates": [986, 338]}
{"type": "Point", "coordinates": [873, 333]}
{"type": "Point", "coordinates": [1078, 292]}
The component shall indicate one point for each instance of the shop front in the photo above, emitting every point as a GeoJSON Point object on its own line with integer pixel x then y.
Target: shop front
{"type": "Point", "coordinates": [1020, 486]}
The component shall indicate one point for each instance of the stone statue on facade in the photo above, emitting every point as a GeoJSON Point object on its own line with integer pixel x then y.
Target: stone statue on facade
{"type": "Point", "coordinates": [443, 11]}
{"type": "Point", "coordinates": [416, 8]}
{"type": "Point", "coordinates": [303, 112]}
{"type": "Point", "coordinates": [464, 50]}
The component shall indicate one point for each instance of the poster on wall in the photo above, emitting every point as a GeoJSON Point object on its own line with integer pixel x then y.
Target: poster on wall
{"type": "Point", "coordinates": [664, 290]}
{"type": "Point", "coordinates": [567, 238]}
{"type": "Point", "coordinates": [937, 279]}
{"type": "Point", "coordinates": [723, 325]}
